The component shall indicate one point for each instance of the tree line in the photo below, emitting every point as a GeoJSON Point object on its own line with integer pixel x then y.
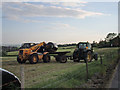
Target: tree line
{"type": "Point", "coordinates": [111, 40]}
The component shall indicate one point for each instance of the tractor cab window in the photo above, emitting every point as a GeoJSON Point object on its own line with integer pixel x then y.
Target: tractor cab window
{"type": "Point", "coordinates": [89, 46]}
{"type": "Point", "coordinates": [82, 45]}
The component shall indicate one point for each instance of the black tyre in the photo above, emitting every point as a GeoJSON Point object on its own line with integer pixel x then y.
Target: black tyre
{"type": "Point", "coordinates": [63, 59]}
{"type": "Point", "coordinates": [57, 58]}
{"type": "Point", "coordinates": [75, 54]}
{"type": "Point", "coordinates": [9, 81]}
{"type": "Point", "coordinates": [46, 58]}
{"type": "Point", "coordinates": [88, 57]}
{"type": "Point", "coordinates": [33, 59]}
{"type": "Point", "coordinates": [96, 57]}
{"type": "Point", "coordinates": [20, 61]}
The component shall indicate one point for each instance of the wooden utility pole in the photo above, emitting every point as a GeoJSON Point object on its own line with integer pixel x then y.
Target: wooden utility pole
{"type": "Point", "coordinates": [86, 69]}
{"type": "Point", "coordinates": [22, 76]}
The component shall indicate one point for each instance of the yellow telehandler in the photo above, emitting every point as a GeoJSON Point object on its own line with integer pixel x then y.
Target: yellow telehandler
{"type": "Point", "coordinates": [35, 52]}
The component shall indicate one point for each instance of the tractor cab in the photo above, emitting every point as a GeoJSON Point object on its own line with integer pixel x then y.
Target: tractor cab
{"type": "Point", "coordinates": [84, 45]}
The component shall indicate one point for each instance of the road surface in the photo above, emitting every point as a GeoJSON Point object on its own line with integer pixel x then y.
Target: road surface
{"type": "Point", "coordinates": [115, 81]}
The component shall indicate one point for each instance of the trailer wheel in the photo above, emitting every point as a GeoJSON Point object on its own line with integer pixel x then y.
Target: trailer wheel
{"type": "Point", "coordinates": [63, 59]}
{"type": "Point", "coordinates": [19, 60]}
{"type": "Point", "coordinates": [33, 59]}
{"type": "Point", "coordinates": [46, 58]}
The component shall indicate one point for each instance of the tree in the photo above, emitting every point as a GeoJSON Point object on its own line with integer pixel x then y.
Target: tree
{"type": "Point", "coordinates": [110, 36]}
{"type": "Point", "coordinates": [94, 44]}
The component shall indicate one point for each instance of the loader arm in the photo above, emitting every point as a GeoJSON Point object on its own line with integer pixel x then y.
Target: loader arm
{"type": "Point", "coordinates": [36, 47]}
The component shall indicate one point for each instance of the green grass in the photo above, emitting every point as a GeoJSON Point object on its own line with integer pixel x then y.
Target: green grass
{"type": "Point", "coordinates": [60, 75]}
{"type": "Point", "coordinates": [12, 53]}
{"type": "Point", "coordinates": [75, 76]}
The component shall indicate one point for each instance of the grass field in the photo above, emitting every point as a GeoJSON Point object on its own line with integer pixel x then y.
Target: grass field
{"type": "Point", "coordinates": [59, 75]}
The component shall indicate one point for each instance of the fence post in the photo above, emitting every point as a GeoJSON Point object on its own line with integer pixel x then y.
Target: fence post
{"type": "Point", "coordinates": [101, 59]}
{"type": "Point", "coordinates": [22, 76]}
{"type": "Point", "coordinates": [86, 69]}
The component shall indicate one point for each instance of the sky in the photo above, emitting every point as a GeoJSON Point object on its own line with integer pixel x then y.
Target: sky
{"type": "Point", "coordinates": [59, 22]}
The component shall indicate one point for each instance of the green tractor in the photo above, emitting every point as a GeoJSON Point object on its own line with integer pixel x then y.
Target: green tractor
{"type": "Point", "coordinates": [84, 51]}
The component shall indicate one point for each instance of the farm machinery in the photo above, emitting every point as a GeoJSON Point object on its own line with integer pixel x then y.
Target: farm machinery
{"type": "Point", "coordinates": [41, 51]}
{"type": "Point", "coordinates": [84, 51]}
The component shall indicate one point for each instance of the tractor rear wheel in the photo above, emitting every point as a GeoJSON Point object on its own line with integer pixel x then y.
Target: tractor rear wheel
{"type": "Point", "coordinates": [33, 59]}
{"type": "Point", "coordinates": [20, 61]}
{"type": "Point", "coordinates": [46, 58]}
{"type": "Point", "coordinates": [88, 56]}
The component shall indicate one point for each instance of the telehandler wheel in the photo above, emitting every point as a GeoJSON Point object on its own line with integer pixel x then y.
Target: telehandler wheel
{"type": "Point", "coordinates": [33, 59]}
{"type": "Point", "coordinates": [46, 58]}
{"type": "Point", "coordinates": [19, 60]}
{"type": "Point", "coordinates": [88, 57]}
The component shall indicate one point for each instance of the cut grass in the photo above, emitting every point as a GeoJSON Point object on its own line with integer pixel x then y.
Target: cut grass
{"type": "Point", "coordinates": [76, 75]}
{"type": "Point", "coordinates": [60, 75]}
{"type": "Point", "coordinates": [12, 53]}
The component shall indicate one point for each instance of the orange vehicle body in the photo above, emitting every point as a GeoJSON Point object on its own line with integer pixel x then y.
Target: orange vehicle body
{"type": "Point", "coordinates": [26, 53]}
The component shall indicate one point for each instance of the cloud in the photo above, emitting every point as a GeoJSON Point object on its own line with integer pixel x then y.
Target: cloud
{"type": "Point", "coordinates": [60, 0]}
{"type": "Point", "coordinates": [69, 4]}
{"type": "Point", "coordinates": [62, 26]}
{"type": "Point", "coordinates": [17, 10]}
